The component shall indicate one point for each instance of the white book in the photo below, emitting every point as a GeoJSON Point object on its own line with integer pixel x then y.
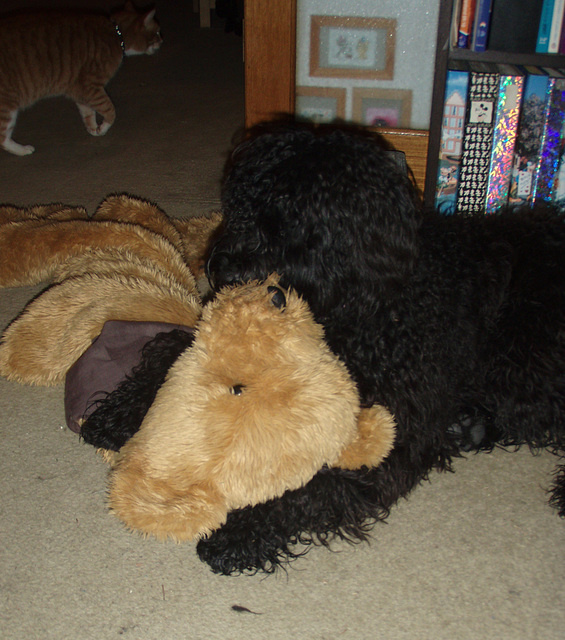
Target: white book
{"type": "Point", "coordinates": [556, 24]}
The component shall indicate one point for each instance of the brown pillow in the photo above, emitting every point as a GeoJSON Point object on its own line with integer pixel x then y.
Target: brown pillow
{"type": "Point", "coordinates": [105, 364]}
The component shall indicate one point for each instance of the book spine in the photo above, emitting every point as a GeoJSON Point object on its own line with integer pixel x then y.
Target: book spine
{"type": "Point", "coordinates": [466, 24]}
{"type": "Point", "coordinates": [454, 108]}
{"type": "Point", "coordinates": [504, 139]}
{"type": "Point", "coordinates": [477, 141]}
{"type": "Point", "coordinates": [537, 91]}
{"type": "Point", "coordinates": [558, 195]}
{"type": "Point", "coordinates": [481, 25]}
{"type": "Point", "coordinates": [556, 22]}
{"type": "Point", "coordinates": [551, 143]}
{"type": "Point", "coordinates": [454, 30]}
{"type": "Point", "coordinates": [545, 26]}
{"type": "Point", "coordinates": [562, 40]}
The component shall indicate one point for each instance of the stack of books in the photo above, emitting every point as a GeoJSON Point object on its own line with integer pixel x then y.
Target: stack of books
{"type": "Point", "coordinates": [502, 138]}
{"type": "Point", "coordinates": [473, 20]}
{"type": "Point", "coordinates": [536, 25]}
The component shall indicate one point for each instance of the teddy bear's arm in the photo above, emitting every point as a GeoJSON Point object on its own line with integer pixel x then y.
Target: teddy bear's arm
{"type": "Point", "coordinates": [374, 440]}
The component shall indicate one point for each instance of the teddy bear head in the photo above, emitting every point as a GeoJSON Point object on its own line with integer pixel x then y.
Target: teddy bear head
{"type": "Point", "coordinates": [256, 406]}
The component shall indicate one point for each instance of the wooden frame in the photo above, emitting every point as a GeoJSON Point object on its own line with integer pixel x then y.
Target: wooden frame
{"type": "Point", "coordinates": [382, 102]}
{"type": "Point", "coordinates": [332, 98]}
{"type": "Point", "coordinates": [349, 47]}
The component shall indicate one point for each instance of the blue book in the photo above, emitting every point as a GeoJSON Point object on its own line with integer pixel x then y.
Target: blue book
{"type": "Point", "coordinates": [544, 31]}
{"type": "Point", "coordinates": [453, 123]}
{"type": "Point", "coordinates": [481, 26]}
{"type": "Point", "coordinates": [537, 92]}
{"type": "Point", "coordinates": [550, 143]}
{"type": "Point", "coordinates": [558, 195]}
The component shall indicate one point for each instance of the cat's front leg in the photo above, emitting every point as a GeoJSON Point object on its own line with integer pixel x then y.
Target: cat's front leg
{"type": "Point", "coordinates": [98, 103]}
{"type": "Point", "coordinates": [7, 123]}
{"type": "Point", "coordinates": [89, 118]}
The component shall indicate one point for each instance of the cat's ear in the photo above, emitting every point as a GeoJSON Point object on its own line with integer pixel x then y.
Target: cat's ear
{"type": "Point", "coordinates": [148, 19]}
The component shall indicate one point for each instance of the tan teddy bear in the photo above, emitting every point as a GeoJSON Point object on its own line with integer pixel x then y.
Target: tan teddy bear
{"type": "Point", "coordinates": [257, 405]}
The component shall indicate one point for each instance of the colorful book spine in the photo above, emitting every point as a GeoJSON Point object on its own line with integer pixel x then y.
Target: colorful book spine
{"type": "Point", "coordinates": [505, 130]}
{"type": "Point", "coordinates": [551, 143]}
{"type": "Point", "coordinates": [556, 22]}
{"type": "Point", "coordinates": [544, 30]}
{"type": "Point", "coordinates": [466, 24]}
{"type": "Point", "coordinates": [477, 139]}
{"type": "Point", "coordinates": [537, 90]}
{"type": "Point", "coordinates": [481, 25]}
{"type": "Point", "coordinates": [558, 195]}
{"type": "Point", "coordinates": [454, 109]}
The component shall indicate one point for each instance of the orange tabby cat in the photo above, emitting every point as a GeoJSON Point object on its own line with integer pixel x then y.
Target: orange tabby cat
{"type": "Point", "coordinates": [47, 54]}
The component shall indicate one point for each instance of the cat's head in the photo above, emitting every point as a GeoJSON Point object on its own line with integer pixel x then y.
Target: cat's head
{"type": "Point", "coordinates": [140, 30]}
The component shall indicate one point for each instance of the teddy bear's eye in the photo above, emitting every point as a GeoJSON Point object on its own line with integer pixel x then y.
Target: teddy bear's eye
{"type": "Point", "coordinates": [278, 298]}
{"type": "Point", "coordinates": [237, 389]}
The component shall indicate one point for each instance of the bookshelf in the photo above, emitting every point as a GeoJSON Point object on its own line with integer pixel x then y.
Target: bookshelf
{"type": "Point", "coordinates": [444, 56]}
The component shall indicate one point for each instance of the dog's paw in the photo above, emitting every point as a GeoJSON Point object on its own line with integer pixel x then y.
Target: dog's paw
{"type": "Point", "coordinates": [468, 432]}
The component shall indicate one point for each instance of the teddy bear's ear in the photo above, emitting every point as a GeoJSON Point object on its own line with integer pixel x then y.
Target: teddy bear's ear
{"type": "Point", "coordinates": [155, 506]}
{"type": "Point", "coordinates": [373, 442]}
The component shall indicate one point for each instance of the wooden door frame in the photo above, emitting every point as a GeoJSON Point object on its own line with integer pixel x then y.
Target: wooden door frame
{"type": "Point", "coordinates": [270, 59]}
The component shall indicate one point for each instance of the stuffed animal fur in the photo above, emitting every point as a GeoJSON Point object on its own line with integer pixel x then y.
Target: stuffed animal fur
{"type": "Point", "coordinates": [254, 405]}
{"type": "Point", "coordinates": [257, 405]}
{"type": "Point", "coordinates": [128, 262]}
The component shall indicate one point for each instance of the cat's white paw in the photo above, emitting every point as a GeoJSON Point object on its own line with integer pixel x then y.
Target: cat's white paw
{"type": "Point", "coordinates": [99, 130]}
{"type": "Point", "coordinates": [18, 149]}
{"type": "Point", "coordinates": [102, 128]}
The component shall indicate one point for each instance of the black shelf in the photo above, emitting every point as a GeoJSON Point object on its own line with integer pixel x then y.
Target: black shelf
{"type": "Point", "coordinates": [540, 59]}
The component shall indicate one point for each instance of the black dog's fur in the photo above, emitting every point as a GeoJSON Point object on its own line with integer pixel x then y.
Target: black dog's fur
{"type": "Point", "coordinates": [456, 324]}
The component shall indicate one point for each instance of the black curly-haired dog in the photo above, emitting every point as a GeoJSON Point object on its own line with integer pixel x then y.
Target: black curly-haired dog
{"type": "Point", "coordinates": [456, 324]}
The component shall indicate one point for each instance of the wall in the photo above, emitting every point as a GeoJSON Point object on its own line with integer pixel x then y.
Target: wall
{"type": "Point", "coordinates": [413, 61]}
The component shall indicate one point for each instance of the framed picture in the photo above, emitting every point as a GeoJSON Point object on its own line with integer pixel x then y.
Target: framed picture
{"type": "Point", "coordinates": [320, 104]}
{"type": "Point", "coordinates": [389, 108]}
{"type": "Point", "coordinates": [352, 47]}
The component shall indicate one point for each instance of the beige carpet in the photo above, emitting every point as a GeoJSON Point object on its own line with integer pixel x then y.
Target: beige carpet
{"type": "Point", "coordinates": [476, 554]}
